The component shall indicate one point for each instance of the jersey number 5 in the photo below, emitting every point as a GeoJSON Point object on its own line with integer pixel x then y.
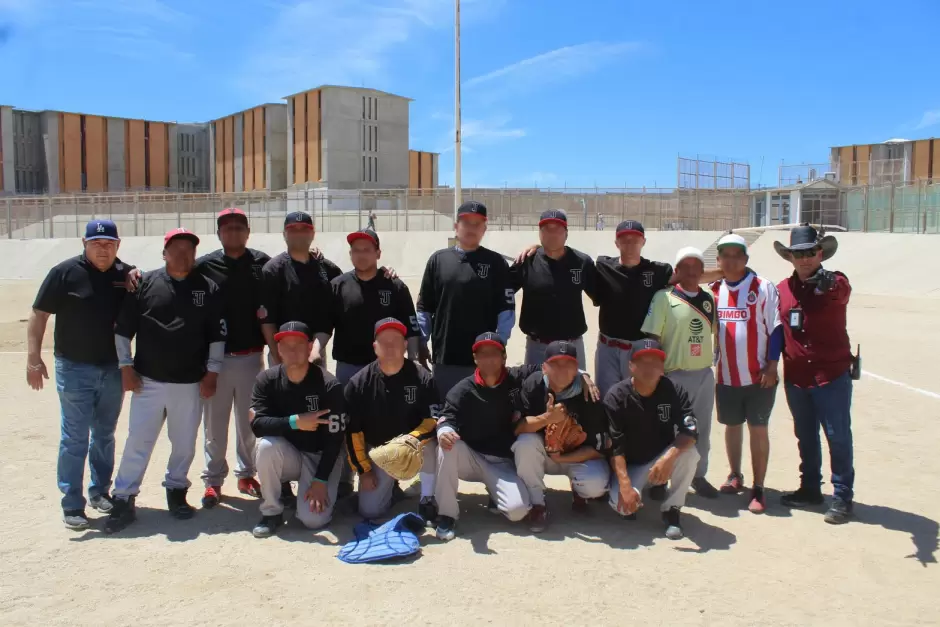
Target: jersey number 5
{"type": "Point", "coordinates": [510, 297]}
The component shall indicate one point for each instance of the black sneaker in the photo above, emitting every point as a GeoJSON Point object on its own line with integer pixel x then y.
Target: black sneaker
{"type": "Point", "coordinates": [177, 505]}
{"type": "Point", "coordinates": [445, 528]}
{"type": "Point", "coordinates": [673, 526]}
{"type": "Point", "coordinates": [704, 489]}
{"type": "Point", "coordinates": [839, 512]}
{"type": "Point", "coordinates": [267, 526]}
{"type": "Point", "coordinates": [101, 502]}
{"type": "Point", "coordinates": [122, 514]}
{"type": "Point", "coordinates": [288, 500]}
{"type": "Point", "coordinates": [427, 509]}
{"type": "Point", "coordinates": [75, 519]}
{"type": "Point", "coordinates": [658, 492]}
{"type": "Point", "coordinates": [492, 507]}
{"type": "Point", "coordinates": [804, 497]}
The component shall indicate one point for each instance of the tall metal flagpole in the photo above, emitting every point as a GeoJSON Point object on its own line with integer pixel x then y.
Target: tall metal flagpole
{"type": "Point", "coordinates": [457, 190]}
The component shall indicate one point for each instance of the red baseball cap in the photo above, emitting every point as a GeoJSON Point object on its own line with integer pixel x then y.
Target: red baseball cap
{"type": "Point", "coordinates": [232, 211]}
{"type": "Point", "coordinates": [180, 232]}
{"type": "Point", "coordinates": [390, 323]}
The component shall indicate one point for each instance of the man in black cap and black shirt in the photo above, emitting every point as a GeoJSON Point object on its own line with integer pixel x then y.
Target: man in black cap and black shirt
{"type": "Point", "coordinates": [299, 419]}
{"type": "Point", "coordinates": [653, 430]}
{"type": "Point", "coordinates": [390, 397]}
{"type": "Point", "coordinates": [176, 316]}
{"type": "Point", "coordinates": [465, 291]}
{"type": "Point", "coordinates": [362, 297]}
{"type": "Point", "coordinates": [236, 269]}
{"type": "Point", "coordinates": [552, 281]}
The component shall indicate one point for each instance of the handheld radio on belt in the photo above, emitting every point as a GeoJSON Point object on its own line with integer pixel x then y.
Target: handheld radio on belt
{"type": "Point", "coordinates": [856, 370]}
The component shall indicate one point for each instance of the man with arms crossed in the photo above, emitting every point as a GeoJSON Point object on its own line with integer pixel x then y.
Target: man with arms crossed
{"type": "Point", "coordinates": [176, 316]}
{"type": "Point", "coordinates": [298, 417]}
{"type": "Point", "coordinates": [750, 338]}
{"type": "Point", "coordinates": [653, 429]}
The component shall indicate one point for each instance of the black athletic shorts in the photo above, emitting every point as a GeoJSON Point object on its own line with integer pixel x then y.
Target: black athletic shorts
{"type": "Point", "coordinates": [750, 403]}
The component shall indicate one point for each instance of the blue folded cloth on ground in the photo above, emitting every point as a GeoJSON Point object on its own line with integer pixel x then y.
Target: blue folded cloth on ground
{"type": "Point", "coordinates": [395, 539]}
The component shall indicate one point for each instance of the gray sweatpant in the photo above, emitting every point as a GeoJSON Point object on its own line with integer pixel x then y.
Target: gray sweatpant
{"type": "Point", "coordinates": [535, 352]}
{"type": "Point", "coordinates": [700, 386]}
{"type": "Point", "coordinates": [180, 406]}
{"type": "Point", "coordinates": [682, 474]}
{"type": "Point", "coordinates": [611, 365]}
{"type": "Point", "coordinates": [497, 473]}
{"type": "Point", "coordinates": [376, 503]}
{"type": "Point", "coordinates": [446, 377]}
{"type": "Point", "coordinates": [588, 479]}
{"type": "Point", "coordinates": [279, 461]}
{"type": "Point", "coordinates": [234, 387]}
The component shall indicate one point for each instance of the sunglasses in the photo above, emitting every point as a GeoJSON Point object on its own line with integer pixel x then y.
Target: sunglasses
{"type": "Point", "coordinates": [804, 254]}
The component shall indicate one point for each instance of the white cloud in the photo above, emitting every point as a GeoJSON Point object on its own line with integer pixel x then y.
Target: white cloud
{"type": "Point", "coordinates": [475, 133]}
{"type": "Point", "coordinates": [930, 118]}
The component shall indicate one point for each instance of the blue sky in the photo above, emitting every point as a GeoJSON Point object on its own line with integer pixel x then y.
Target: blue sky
{"type": "Point", "coordinates": [555, 92]}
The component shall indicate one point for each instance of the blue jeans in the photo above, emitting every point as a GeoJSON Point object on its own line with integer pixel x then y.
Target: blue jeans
{"type": "Point", "coordinates": [91, 398]}
{"type": "Point", "coordinates": [830, 406]}
{"type": "Point", "coordinates": [345, 371]}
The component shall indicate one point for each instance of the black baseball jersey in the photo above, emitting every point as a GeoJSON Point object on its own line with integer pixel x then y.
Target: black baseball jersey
{"type": "Point", "coordinates": [624, 294]}
{"type": "Point", "coordinates": [301, 292]}
{"type": "Point", "coordinates": [552, 308]}
{"type": "Point", "coordinates": [465, 293]}
{"type": "Point", "coordinates": [358, 305]}
{"type": "Point", "coordinates": [382, 407]}
{"type": "Point", "coordinates": [174, 322]}
{"type": "Point", "coordinates": [485, 417]}
{"type": "Point", "coordinates": [642, 427]}
{"type": "Point", "coordinates": [590, 415]}
{"type": "Point", "coordinates": [85, 302]}
{"type": "Point", "coordinates": [239, 282]}
{"type": "Point", "coordinates": [276, 398]}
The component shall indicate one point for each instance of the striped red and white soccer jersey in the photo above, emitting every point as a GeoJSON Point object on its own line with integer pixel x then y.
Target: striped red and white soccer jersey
{"type": "Point", "coordinates": [747, 314]}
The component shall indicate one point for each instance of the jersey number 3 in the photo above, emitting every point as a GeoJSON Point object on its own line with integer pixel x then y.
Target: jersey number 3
{"type": "Point", "coordinates": [223, 328]}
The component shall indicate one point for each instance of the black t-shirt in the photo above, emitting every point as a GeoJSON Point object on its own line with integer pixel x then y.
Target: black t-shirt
{"type": "Point", "coordinates": [590, 415]}
{"type": "Point", "coordinates": [485, 417]}
{"type": "Point", "coordinates": [624, 294]}
{"type": "Point", "coordinates": [465, 293]}
{"type": "Point", "coordinates": [383, 407]}
{"type": "Point", "coordinates": [642, 427]}
{"type": "Point", "coordinates": [239, 281]}
{"type": "Point", "coordinates": [301, 292]}
{"type": "Point", "coordinates": [85, 302]}
{"type": "Point", "coordinates": [552, 308]}
{"type": "Point", "coordinates": [358, 305]}
{"type": "Point", "coordinates": [276, 398]}
{"type": "Point", "coordinates": [174, 322]}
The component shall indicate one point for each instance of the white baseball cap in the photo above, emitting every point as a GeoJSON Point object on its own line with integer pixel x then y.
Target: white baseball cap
{"type": "Point", "coordinates": [732, 239]}
{"type": "Point", "coordinates": [689, 252]}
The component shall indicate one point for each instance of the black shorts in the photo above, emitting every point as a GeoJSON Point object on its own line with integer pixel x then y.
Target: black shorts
{"type": "Point", "coordinates": [750, 403]}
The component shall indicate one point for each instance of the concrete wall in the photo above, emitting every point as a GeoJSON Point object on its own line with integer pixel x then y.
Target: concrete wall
{"type": "Point", "coordinates": [393, 142]}
{"type": "Point", "coordinates": [49, 123]}
{"type": "Point", "coordinates": [173, 177]}
{"type": "Point", "coordinates": [239, 152]}
{"type": "Point", "coordinates": [212, 185]}
{"type": "Point", "coordinates": [7, 153]}
{"type": "Point", "coordinates": [117, 172]}
{"type": "Point", "coordinates": [278, 156]}
{"type": "Point", "coordinates": [289, 148]}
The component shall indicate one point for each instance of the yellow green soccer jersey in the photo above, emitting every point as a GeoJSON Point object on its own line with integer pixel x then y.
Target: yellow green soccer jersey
{"type": "Point", "coordinates": [684, 326]}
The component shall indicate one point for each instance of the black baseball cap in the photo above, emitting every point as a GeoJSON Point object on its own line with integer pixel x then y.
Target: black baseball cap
{"type": "Point", "coordinates": [368, 234]}
{"type": "Point", "coordinates": [298, 219]}
{"type": "Point", "coordinates": [101, 229]}
{"type": "Point", "coordinates": [648, 346]}
{"type": "Point", "coordinates": [561, 349]}
{"type": "Point", "coordinates": [293, 329]}
{"type": "Point", "coordinates": [556, 216]}
{"type": "Point", "coordinates": [238, 214]}
{"type": "Point", "coordinates": [471, 208]}
{"type": "Point", "coordinates": [390, 323]}
{"type": "Point", "coordinates": [630, 227]}
{"type": "Point", "coordinates": [488, 339]}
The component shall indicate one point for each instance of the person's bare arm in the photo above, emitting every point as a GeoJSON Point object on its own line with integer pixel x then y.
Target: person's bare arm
{"type": "Point", "coordinates": [35, 331]}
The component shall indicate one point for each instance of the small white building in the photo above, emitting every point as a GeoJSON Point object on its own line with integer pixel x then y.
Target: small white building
{"type": "Point", "coordinates": [818, 202]}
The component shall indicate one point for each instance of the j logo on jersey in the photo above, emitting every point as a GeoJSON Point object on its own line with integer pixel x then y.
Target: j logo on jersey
{"type": "Point", "coordinates": [576, 276]}
{"type": "Point", "coordinates": [665, 412]}
{"type": "Point", "coordinates": [256, 272]}
{"type": "Point", "coordinates": [313, 403]}
{"type": "Point", "coordinates": [385, 297]}
{"type": "Point", "coordinates": [483, 270]}
{"type": "Point", "coordinates": [199, 298]}
{"type": "Point", "coordinates": [514, 395]}
{"type": "Point", "coordinates": [648, 279]}
{"type": "Point", "coordinates": [411, 394]}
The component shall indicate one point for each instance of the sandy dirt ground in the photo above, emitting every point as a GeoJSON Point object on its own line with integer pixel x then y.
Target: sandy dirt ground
{"type": "Point", "coordinates": [733, 568]}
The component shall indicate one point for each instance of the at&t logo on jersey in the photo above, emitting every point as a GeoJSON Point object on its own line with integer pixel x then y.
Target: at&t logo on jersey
{"type": "Point", "coordinates": [696, 338]}
{"type": "Point", "coordinates": [576, 276]}
{"type": "Point", "coordinates": [411, 394]}
{"type": "Point", "coordinates": [385, 297]}
{"type": "Point", "coordinates": [733, 314]}
{"type": "Point", "coordinates": [483, 270]}
{"type": "Point", "coordinates": [199, 298]}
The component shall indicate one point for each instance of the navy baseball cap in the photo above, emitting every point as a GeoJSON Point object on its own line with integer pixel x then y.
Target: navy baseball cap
{"type": "Point", "coordinates": [648, 346]}
{"type": "Point", "coordinates": [238, 214]}
{"type": "Point", "coordinates": [173, 234]}
{"type": "Point", "coordinates": [471, 208]}
{"type": "Point", "coordinates": [390, 323]}
{"type": "Point", "coordinates": [101, 229]}
{"type": "Point", "coordinates": [630, 227]}
{"type": "Point", "coordinates": [488, 339]}
{"type": "Point", "coordinates": [293, 329]}
{"type": "Point", "coordinates": [561, 349]}
{"type": "Point", "coordinates": [368, 234]}
{"type": "Point", "coordinates": [298, 219]}
{"type": "Point", "coordinates": [556, 216]}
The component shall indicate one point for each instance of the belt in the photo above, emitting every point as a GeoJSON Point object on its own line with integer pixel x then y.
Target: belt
{"type": "Point", "coordinates": [613, 343]}
{"type": "Point", "coordinates": [536, 338]}
{"type": "Point", "coordinates": [250, 351]}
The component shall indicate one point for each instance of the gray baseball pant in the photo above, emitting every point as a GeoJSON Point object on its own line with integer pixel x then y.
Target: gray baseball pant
{"type": "Point", "coordinates": [589, 479]}
{"type": "Point", "coordinates": [180, 406]}
{"type": "Point", "coordinates": [682, 474]}
{"type": "Point", "coordinates": [535, 352]}
{"type": "Point", "coordinates": [234, 387]}
{"type": "Point", "coordinates": [497, 473]}
{"type": "Point", "coordinates": [376, 503]}
{"type": "Point", "coordinates": [447, 377]}
{"type": "Point", "coordinates": [700, 386]}
{"type": "Point", "coordinates": [611, 364]}
{"type": "Point", "coordinates": [279, 461]}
